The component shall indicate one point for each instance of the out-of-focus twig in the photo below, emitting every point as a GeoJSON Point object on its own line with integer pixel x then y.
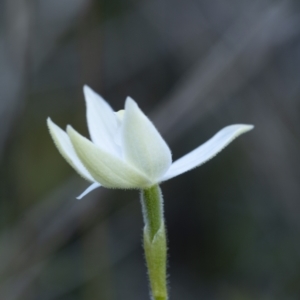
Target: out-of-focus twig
{"type": "Point", "coordinates": [14, 51]}
{"type": "Point", "coordinates": [240, 54]}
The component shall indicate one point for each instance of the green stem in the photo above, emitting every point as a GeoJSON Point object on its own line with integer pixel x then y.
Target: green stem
{"type": "Point", "coordinates": [152, 209]}
{"type": "Point", "coordinates": [155, 241]}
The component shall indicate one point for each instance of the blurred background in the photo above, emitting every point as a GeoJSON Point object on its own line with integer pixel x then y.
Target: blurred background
{"type": "Point", "coordinates": [194, 66]}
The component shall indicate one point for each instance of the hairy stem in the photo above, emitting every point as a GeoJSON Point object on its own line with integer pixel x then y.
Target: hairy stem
{"type": "Point", "coordinates": [155, 241]}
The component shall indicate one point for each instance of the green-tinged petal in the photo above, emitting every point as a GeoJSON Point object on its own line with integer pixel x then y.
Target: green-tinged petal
{"type": "Point", "coordinates": [64, 146]}
{"type": "Point", "coordinates": [142, 144]}
{"type": "Point", "coordinates": [206, 151]}
{"type": "Point", "coordinates": [108, 169]}
{"type": "Point", "coordinates": [102, 121]}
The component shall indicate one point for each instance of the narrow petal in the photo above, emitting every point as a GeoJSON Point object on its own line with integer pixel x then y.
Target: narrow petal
{"type": "Point", "coordinates": [106, 168]}
{"type": "Point", "coordinates": [64, 146]}
{"type": "Point", "coordinates": [92, 187]}
{"type": "Point", "coordinates": [142, 144]}
{"type": "Point", "coordinates": [102, 121]}
{"type": "Point", "coordinates": [206, 151]}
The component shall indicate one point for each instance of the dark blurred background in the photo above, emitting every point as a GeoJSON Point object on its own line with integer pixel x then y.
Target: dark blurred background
{"type": "Point", "coordinates": [194, 66]}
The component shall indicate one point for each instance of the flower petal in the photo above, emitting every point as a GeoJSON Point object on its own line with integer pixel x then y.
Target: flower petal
{"type": "Point", "coordinates": [206, 151]}
{"type": "Point", "coordinates": [92, 187]}
{"type": "Point", "coordinates": [106, 168]}
{"type": "Point", "coordinates": [142, 144]}
{"type": "Point", "coordinates": [64, 146]}
{"type": "Point", "coordinates": [102, 121]}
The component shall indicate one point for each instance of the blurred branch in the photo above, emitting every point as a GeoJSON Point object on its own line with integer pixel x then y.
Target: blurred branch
{"type": "Point", "coordinates": [227, 68]}
{"type": "Point", "coordinates": [24, 46]}
{"type": "Point", "coordinates": [14, 287]}
{"type": "Point", "coordinates": [53, 19]}
{"type": "Point", "coordinates": [14, 51]}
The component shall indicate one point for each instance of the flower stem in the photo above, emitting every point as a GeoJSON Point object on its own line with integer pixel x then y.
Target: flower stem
{"type": "Point", "coordinates": [155, 245]}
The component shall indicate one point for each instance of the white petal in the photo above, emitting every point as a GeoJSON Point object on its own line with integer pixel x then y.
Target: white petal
{"type": "Point", "coordinates": [206, 151]}
{"type": "Point", "coordinates": [64, 146]}
{"type": "Point", "coordinates": [102, 121]}
{"type": "Point", "coordinates": [92, 187]}
{"type": "Point", "coordinates": [142, 144]}
{"type": "Point", "coordinates": [106, 168]}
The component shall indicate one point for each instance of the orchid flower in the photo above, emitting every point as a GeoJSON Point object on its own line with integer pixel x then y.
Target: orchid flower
{"type": "Point", "coordinates": [126, 151]}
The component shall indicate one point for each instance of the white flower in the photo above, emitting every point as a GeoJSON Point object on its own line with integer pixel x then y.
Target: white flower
{"type": "Point", "coordinates": [126, 150]}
